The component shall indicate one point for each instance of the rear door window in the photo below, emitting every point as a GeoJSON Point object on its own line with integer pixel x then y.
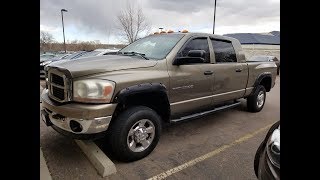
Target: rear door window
{"type": "Point", "coordinates": [224, 51]}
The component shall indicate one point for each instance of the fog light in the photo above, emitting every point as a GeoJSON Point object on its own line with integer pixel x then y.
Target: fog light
{"type": "Point", "coordinates": [75, 126]}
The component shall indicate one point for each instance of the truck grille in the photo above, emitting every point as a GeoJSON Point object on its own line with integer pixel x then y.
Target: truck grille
{"type": "Point", "coordinates": [58, 85]}
{"type": "Point", "coordinates": [57, 80]}
{"type": "Point", "coordinates": [58, 92]}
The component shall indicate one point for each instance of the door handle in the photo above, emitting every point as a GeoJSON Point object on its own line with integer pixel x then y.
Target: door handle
{"type": "Point", "coordinates": [208, 73]}
{"type": "Point", "coordinates": [238, 70]}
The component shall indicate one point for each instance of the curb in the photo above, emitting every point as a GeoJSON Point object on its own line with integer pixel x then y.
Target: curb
{"type": "Point", "coordinates": [98, 159]}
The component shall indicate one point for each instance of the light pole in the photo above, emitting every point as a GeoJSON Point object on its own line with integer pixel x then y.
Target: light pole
{"type": "Point", "coordinates": [214, 16]}
{"type": "Point", "coordinates": [64, 40]}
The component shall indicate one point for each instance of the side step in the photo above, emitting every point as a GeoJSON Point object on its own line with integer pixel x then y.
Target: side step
{"type": "Point", "coordinates": [197, 115]}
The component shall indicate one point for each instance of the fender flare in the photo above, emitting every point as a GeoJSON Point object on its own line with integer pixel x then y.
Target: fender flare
{"type": "Point", "coordinates": [259, 79]}
{"type": "Point", "coordinates": [141, 88]}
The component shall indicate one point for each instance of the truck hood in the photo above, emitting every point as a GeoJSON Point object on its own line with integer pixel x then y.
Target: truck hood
{"type": "Point", "coordinates": [100, 64]}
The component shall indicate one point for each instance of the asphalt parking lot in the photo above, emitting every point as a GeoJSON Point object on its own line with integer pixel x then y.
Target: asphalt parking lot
{"type": "Point", "coordinates": [219, 146]}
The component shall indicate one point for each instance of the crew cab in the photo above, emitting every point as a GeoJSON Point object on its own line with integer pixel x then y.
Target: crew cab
{"type": "Point", "coordinates": [161, 78]}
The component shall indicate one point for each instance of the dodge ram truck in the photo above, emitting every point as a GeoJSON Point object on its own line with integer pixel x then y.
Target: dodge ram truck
{"type": "Point", "coordinates": [126, 98]}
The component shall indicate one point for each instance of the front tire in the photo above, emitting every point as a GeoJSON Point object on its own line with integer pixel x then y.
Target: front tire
{"type": "Point", "coordinates": [135, 133]}
{"type": "Point", "coordinates": [256, 101]}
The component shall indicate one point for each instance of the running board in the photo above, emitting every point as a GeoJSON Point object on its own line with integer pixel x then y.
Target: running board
{"type": "Point", "coordinates": [197, 115]}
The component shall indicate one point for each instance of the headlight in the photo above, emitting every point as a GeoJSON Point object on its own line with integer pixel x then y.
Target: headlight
{"type": "Point", "coordinates": [93, 91]}
{"type": "Point", "coordinates": [273, 147]}
{"type": "Point", "coordinates": [46, 63]}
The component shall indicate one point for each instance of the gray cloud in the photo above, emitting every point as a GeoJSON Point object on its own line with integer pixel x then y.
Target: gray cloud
{"type": "Point", "coordinates": [87, 15]}
{"type": "Point", "coordinates": [99, 16]}
{"type": "Point", "coordinates": [182, 6]}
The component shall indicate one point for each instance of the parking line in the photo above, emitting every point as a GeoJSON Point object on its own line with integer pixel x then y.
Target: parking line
{"type": "Point", "coordinates": [208, 155]}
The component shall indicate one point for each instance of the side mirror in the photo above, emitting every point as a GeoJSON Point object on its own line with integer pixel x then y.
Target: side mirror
{"type": "Point", "coordinates": [194, 56]}
{"type": "Point", "coordinates": [197, 53]}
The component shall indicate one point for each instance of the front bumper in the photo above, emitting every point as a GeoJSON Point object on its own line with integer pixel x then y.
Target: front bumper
{"type": "Point", "coordinates": [76, 118]}
{"type": "Point", "coordinates": [79, 136]}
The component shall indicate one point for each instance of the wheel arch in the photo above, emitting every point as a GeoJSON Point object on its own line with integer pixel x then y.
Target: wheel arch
{"type": "Point", "coordinates": [152, 95]}
{"type": "Point", "coordinates": [264, 79]}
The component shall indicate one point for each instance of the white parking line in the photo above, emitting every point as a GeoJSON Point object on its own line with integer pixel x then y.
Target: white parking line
{"type": "Point", "coordinates": [208, 155]}
{"type": "Point", "coordinates": [98, 159]}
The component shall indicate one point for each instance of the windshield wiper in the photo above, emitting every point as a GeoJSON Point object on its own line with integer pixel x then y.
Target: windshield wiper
{"type": "Point", "coordinates": [136, 53]}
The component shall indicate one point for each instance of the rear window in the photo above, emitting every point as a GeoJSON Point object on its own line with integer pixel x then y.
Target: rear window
{"type": "Point", "coordinates": [224, 51]}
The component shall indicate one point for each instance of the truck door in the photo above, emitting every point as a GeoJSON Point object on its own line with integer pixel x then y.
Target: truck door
{"type": "Point", "coordinates": [230, 76]}
{"type": "Point", "coordinates": [191, 84]}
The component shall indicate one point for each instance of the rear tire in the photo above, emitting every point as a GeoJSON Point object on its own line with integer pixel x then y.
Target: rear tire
{"type": "Point", "coordinates": [256, 101]}
{"type": "Point", "coordinates": [134, 133]}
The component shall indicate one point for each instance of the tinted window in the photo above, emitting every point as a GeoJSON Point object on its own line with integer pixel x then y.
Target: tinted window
{"type": "Point", "coordinates": [197, 44]}
{"type": "Point", "coordinates": [223, 51]}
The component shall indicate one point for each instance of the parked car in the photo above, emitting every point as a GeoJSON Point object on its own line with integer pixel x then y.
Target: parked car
{"type": "Point", "coordinates": [100, 52]}
{"type": "Point", "coordinates": [44, 62]}
{"type": "Point", "coordinates": [164, 78]}
{"type": "Point", "coordinates": [112, 51]}
{"type": "Point", "coordinates": [267, 58]}
{"type": "Point", "coordinates": [46, 56]}
{"type": "Point", "coordinates": [267, 158]}
{"type": "Point", "coordinates": [76, 55]}
{"type": "Point", "coordinates": [45, 59]}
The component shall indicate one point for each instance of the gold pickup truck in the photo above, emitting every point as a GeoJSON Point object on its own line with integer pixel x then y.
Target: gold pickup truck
{"type": "Point", "coordinates": [163, 78]}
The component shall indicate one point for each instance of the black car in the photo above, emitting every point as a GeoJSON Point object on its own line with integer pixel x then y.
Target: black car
{"type": "Point", "coordinates": [267, 158]}
{"type": "Point", "coordinates": [45, 62]}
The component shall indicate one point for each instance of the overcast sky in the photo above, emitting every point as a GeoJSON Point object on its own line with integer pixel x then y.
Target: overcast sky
{"type": "Point", "coordinates": [90, 20]}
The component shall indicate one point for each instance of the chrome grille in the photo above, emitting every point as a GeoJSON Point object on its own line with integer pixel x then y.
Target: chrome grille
{"type": "Point", "coordinates": [58, 85]}
{"type": "Point", "coordinates": [57, 80]}
{"type": "Point", "coordinates": [58, 92]}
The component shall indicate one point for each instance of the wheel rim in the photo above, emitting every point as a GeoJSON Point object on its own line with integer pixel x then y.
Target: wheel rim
{"type": "Point", "coordinates": [141, 135]}
{"type": "Point", "coordinates": [260, 99]}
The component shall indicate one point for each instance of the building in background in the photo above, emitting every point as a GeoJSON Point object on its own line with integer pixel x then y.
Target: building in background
{"type": "Point", "coordinates": [259, 43]}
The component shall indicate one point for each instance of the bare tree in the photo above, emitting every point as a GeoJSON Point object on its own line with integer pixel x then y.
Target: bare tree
{"type": "Point", "coordinates": [45, 40]}
{"type": "Point", "coordinates": [132, 22]}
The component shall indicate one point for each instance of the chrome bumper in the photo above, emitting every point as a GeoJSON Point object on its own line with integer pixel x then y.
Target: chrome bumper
{"type": "Point", "coordinates": [91, 118]}
{"type": "Point", "coordinates": [90, 126]}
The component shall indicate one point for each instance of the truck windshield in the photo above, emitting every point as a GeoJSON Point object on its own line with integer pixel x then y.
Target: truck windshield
{"type": "Point", "coordinates": [153, 47]}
